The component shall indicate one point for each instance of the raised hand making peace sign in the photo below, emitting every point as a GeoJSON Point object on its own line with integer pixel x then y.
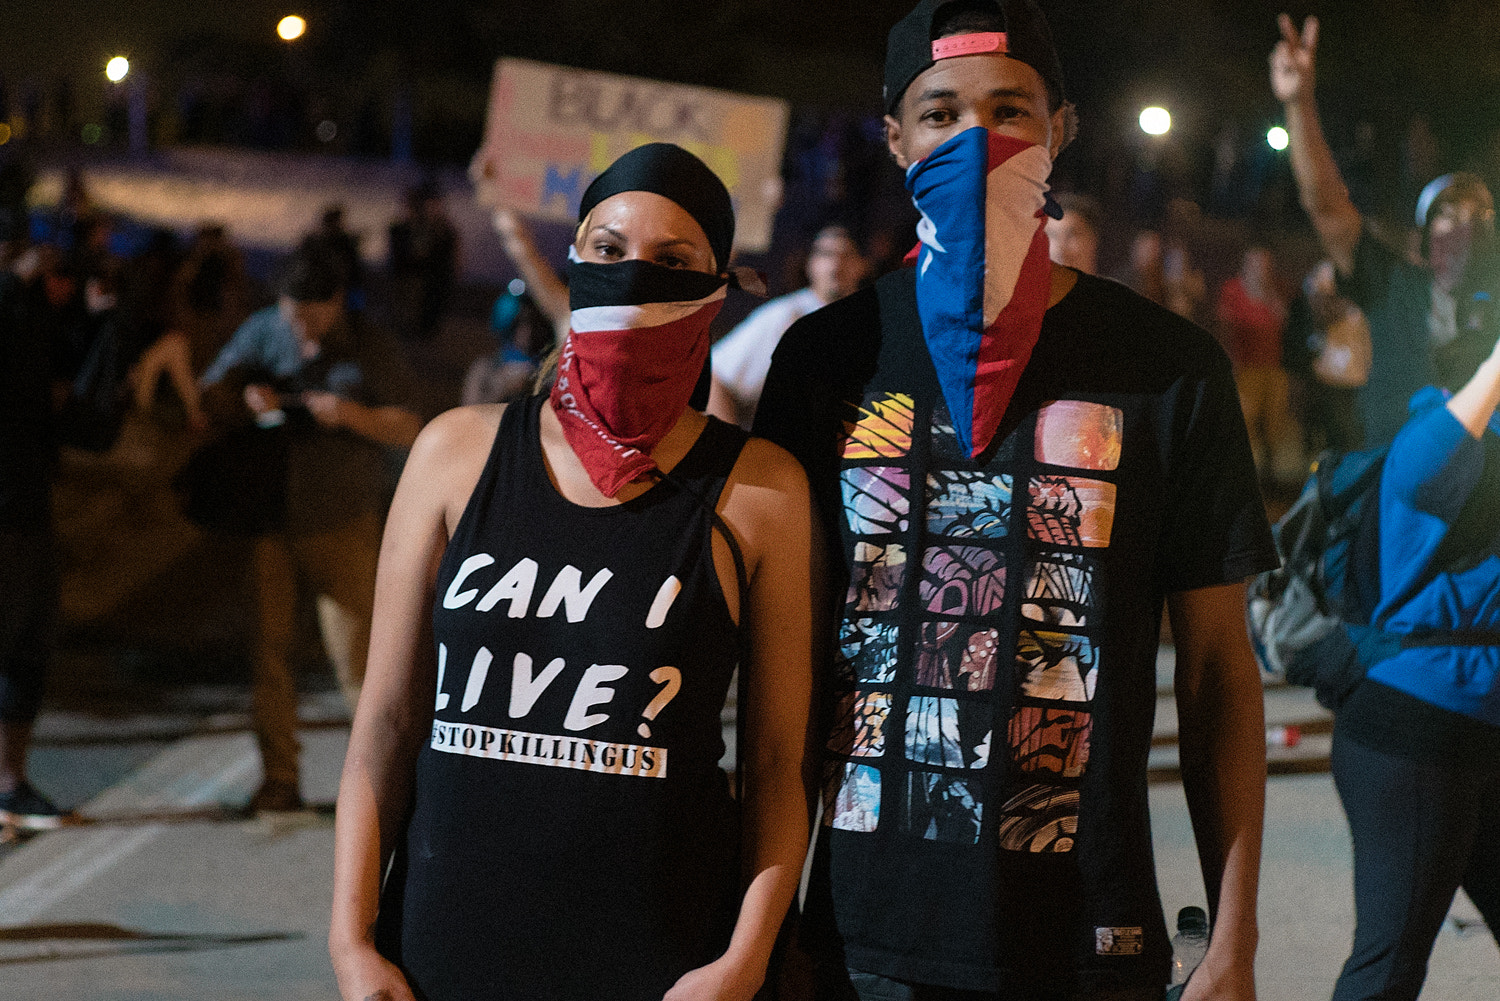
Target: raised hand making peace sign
{"type": "Point", "coordinates": [1294, 59]}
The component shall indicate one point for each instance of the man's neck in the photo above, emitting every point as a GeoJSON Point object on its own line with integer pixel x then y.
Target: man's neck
{"type": "Point", "coordinates": [1063, 280]}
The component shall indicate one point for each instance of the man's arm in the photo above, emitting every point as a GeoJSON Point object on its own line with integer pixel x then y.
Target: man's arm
{"type": "Point", "coordinates": [1221, 740]}
{"type": "Point", "coordinates": [1324, 194]}
{"type": "Point", "coordinates": [394, 427]}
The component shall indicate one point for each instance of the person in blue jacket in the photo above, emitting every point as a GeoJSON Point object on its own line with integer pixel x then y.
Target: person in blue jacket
{"type": "Point", "coordinates": [1416, 750]}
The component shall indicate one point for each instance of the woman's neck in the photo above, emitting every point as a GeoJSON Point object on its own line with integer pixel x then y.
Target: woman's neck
{"type": "Point", "coordinates": [572, 480]}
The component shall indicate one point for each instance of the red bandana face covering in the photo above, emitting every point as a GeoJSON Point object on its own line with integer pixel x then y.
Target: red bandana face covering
{"type": "Point", "coordinates": [635, 349]}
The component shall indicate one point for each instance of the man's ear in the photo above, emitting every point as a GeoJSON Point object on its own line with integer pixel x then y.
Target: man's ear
{"type": "Point", "coordinates": [1063, 129]}
{"type": "Point", "coordinates": [893, 141]}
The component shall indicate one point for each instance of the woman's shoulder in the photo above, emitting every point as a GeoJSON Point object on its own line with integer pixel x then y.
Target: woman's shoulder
{"type": "Point", "coordinates": [455, 440]}
{"type": "Point", "coordinates": [765, 464]}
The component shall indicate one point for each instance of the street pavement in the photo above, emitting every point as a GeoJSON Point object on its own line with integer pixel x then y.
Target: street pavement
{"type": "Point", "coordinates": [169, 893]}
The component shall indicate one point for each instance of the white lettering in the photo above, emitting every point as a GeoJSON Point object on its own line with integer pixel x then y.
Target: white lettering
{"type": "Point", "coordinates": [453, 599]}
{"type": "Point", "coordinates": [665, 595]}
{"type": "Point", "coordinates": [442, 696]}
{"type": "Point", "coordinates": [477, 674]}
{"type": "Point", "coordinates": [591, 693]}
{"type": "Point", "coordinates": [516, 587]}
{"type": "Point", "coordinates": [567, 588]}
{"type": "Point", "coordinates": [524, 689]}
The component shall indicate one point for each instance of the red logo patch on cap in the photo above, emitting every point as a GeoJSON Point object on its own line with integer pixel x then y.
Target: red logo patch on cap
{"type": "Point", "coordinates": [968, 45]}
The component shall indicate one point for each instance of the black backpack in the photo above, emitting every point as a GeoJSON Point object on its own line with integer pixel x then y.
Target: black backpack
{"type": "Point", "coordinates": [1310, 620]}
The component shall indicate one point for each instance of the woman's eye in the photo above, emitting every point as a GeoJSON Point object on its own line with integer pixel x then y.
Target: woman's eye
{"type": "Point", "coordinates": [937, 116]}
{"type": "Point", "coordinates": [668, 261]}
{"type": "Point", "coordinates": [607, 250]}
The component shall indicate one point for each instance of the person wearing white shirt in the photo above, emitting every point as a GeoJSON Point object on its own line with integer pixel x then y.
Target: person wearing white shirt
{"type": "Point", "coordinates": [835, 267]}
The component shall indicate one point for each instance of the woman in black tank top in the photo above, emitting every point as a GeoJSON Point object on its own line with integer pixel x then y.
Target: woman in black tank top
{"type": "Point", "coordinates": [531, 806]}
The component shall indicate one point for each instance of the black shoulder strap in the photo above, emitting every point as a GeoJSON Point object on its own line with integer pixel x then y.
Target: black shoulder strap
{"type": "Point", "coordinates": [725, 446]}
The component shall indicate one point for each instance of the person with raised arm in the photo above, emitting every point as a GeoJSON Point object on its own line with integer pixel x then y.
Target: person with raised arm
{"type": "Point", "coordinates": [1431, 321]}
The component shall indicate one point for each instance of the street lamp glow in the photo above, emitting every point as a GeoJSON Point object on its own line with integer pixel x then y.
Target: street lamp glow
{"type": "Point", "coordinates": [1156, 121]}
{"type": "Point", "coordinates": [116, 69]}
{"type": "Point", "coordinates": [1277, 138]}
{"type": "Point", "coordinates": [291, 27]}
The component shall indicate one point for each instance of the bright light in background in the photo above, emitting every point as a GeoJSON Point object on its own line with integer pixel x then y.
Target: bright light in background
{"type": "Point", "coordinates": [291, 27]}
{"type": "Point", "coordinates": [1277, 138]}
{"type": "Point", "coordinates": [516, 287]}
{"type": "Point", "coordinates": [116, 69]}
{"type": "Point", "coordinates": [1156, 121]}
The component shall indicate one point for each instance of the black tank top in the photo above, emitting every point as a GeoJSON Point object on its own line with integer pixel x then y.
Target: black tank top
{"type": "Point", "coordinates": [572, 836]}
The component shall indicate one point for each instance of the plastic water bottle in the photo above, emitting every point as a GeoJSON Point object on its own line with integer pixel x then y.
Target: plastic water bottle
{"type": "Point", "coordinates": [1283, 736]}
{"type": "Point", "coordinates": [1189, 944]}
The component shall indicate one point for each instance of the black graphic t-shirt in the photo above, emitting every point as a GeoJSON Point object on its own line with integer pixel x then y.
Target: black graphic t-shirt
{"type": "Point", "coordinates": [572, 834]}
{"type": "Point", "coordinates": [985, 814]}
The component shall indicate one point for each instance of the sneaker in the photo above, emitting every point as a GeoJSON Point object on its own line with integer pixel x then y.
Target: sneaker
{"type": "Point", "coordinates": [29, 810]}
{"type": "Point", "coordinates": [276, 797]}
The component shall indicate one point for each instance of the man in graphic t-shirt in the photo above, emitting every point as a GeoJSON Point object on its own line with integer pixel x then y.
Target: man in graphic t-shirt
{"type": "Point", "coordinates": [1021, 464]}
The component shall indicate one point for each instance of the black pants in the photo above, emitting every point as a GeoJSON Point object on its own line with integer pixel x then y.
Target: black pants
{"type": "Point", "coordinates": [28, 612]}
{"type": "Point", "coordinates": [1420, 832]}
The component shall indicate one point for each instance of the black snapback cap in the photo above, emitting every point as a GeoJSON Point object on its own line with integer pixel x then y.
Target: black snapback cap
{"type": "Point", "coordinates": [912, 48]}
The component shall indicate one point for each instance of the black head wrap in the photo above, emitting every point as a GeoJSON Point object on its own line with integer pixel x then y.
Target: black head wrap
{"type": "Point", "coordinates": [672, 172]}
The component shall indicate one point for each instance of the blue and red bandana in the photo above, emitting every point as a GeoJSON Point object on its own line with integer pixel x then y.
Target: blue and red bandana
{"type": "Point", "coordinates": [983, 273]}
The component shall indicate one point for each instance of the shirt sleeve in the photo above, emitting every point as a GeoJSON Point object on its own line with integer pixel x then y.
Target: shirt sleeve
{"type": "Point", "coordinates": [244, 347]}
{"type": "Point", "coordinates": [1215, 527]}
{"type": "Point", "coordinates": [1433, 466]}
{"type": "Point", "coordinates": [1375, 264]}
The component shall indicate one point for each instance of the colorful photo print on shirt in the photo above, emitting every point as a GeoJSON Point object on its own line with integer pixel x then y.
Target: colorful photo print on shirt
{"type": "Point", "coordinates": [1078, 434]}
{"type": "Point", "coordinates": [1040, 818]}
{"type": "Point", "coordinates": [852, 793]}
{"type": "Point", "coordinates": [867, 652]}
{"type": "Point", "coordinates": [942, 808]}
{"type": "Point", "coordinates": [957, 655]}
{"type": "Point", "coordinates": [948, 732]}
{"type": "Point", "coordinates": [1070, 510]}
{"type": "Point", "coordinates": [968, 505]}
{"type": "Point", "coordinates": [875, 577]}
{"type": "Point", "coordinates": [944, 442]}
{"type": "Point", "coordinates": [962, 580]}
{"type": "Point", "coordinates": [1058, 667]}
{"type": "Point", "coordinates": [875, 499]}
{"type": "Point", "coordinates": [859, 725]}
{"type": "Point", "coordinates": [883, 430]}
{"type": "Point", "coordinates": [1060, 590]}
{"type": "Point", "coordinates": [1050, 741]}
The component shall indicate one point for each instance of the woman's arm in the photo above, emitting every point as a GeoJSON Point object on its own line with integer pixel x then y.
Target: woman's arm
{"type": "Point", "coordinates": [768, 506]}
{"type": "Point", "coordinates": [1475, 404]}
{"type": "Point", "coordinates": [395, 707]}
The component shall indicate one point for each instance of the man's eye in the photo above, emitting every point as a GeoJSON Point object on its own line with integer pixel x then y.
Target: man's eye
{"type": "Point", "coordinates": [937, 116]}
